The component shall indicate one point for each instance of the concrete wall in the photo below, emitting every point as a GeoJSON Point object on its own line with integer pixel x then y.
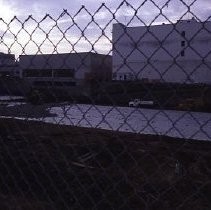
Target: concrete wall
{"type": "Point", "coordinates": [86, 67]}
{"type": "Point", "coordinates": [80, 62]}
{"type": "Point", "coordinates": [155, 52]}
{"type": "Point", "coordinates": [8, 65]}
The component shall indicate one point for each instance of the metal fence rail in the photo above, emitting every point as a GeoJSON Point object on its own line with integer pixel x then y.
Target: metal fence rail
{"type": "Point", "coordinates": [107, 109]}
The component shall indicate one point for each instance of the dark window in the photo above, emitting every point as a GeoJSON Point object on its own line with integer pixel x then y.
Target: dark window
{"type": "Point", "coordinates": [70, 83]}
{"type": "Point", "coordinates": [61, 84]}
{"type": "Point", "coordinates": [43, 83]}
{"type": "Point", "coordinates": [45, 73]}
{"type": "Point", "coordinates": [29, 73]}
{"type": "Point", "coordinates": [58, 84]}
{"type": "Point", "coordinates": [183, 34]}
{"type": "Point", "coordinates": [182, 43]}
{"type": "Point", "coordinates": [37, 73]}
{"type": "Point", "coordinates": [182, 53]}
{"type": "Point", "coordinates": [63, 73]}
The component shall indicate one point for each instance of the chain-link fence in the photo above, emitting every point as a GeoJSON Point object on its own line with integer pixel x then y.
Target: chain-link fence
{"type": "Point", "coordinates": [107, 109]}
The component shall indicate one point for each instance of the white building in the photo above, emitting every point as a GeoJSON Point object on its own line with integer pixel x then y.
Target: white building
{"type": "Point", "coordinates": [71, 71]}
{"type": "Point", "coordinates": [179, 52]}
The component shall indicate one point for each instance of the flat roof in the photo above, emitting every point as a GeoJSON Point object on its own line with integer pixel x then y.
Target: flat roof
{"type": "Point", "coordinates": [193, 20]}
{"type": "Point", "coordinates": [76, 53]}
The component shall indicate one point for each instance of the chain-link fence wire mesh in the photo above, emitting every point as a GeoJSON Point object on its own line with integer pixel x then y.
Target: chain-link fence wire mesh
{"type": "Point", "coordinates": [69, 139]}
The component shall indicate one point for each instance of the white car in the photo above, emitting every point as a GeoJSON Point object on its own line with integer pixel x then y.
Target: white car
{"type": "Point", "coordinates": [137, 102]}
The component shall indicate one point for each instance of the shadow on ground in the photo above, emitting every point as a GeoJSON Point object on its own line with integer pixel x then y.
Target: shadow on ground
{"type": "Point", "coordinates": [44, 166]}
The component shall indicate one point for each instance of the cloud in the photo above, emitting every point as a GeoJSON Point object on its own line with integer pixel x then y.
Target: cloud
{"type": "Point", "coordinates": [57, 27]}
{"type": "Point", "coordinates": [8, 10]}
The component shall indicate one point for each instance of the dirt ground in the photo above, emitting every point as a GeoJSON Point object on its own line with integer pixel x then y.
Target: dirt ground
{"type": "Point", "coordinates": [45, 166]}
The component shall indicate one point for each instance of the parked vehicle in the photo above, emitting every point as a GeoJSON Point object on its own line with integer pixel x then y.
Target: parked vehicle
{"type": "Point", "coordinates": [191, 104]}
{"type": "Point", "coordinates": [137, 103]}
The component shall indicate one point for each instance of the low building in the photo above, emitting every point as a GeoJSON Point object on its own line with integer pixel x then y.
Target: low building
{"type": "Point", "coordinates": [8, 65]}
{"type": "Point", "coordinates": [71, 71]}
{"type": "Point", "coordinates": [176, 53]}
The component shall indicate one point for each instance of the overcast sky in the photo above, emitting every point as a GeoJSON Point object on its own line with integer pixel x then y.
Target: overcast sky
{"type": "Point", "coordinates": [28, 39]}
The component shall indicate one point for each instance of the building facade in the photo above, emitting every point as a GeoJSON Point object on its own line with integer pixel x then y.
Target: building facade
{"type": "Point", "coordinates": [71, 71]}
{"type": "Point", "coordinates": [8, 65]}
{"type": "Point", "coordinates": [178, 53]}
